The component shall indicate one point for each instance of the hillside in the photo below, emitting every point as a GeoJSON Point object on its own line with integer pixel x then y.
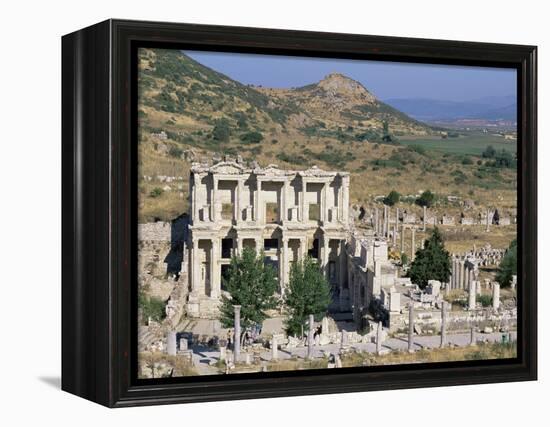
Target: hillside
{"type": "Point", "coordinates": [188, 112]}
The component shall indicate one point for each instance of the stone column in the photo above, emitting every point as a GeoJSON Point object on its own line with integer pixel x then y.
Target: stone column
{"type": "Point", "coordinates": [195, 274]}
{"type": "Point", "coordinates": [342, 270]}
{"type": "Point", "coordinates": [237, 336]}
{"type": "Point", "coordinates": [304, 214]}
{"type": "Point", "coordinates": [238, 202]}
{"type": "Point", "coordinates": [284, 203]}
{"type": "Point", "coordinates": [385, 223]}
{"type": "Point", "coordinates": [345, 199]}
{"type": "Point", "coordinates": [310, 337]}
{"type": "Point", "coordinates": [379, 338]}
{"type": "Point", "coordinates": [453, 275]}
{"type": "Point", "coordinates": [487, 229]}
{"type": "Point", "coordinates": [214, 204]}
{"type": "Point", "coordinates": [284, 265]}
{"type": "Point", "coordinates": [402, 238]}
{"type": "Point", "coordinates": [460, 265]}
{"type": "Point", "coordinates": [274, 348]}
{"type": "Point", "coordinates": [323, 208]}
{"type": "Point", "coordinates": [496, 296]}
{"type": "Point", "coordinates": [413, 231]}
{"type": "Point", "coordinates": [472, 336]}
{"type": "Point", "coordinates": [376, 230]}
{"type": "Point", "coordinates": [394, 237]}
{"type": "Point", "coordinates": [443, 324]}
{"type": "Point", "coordinates": [302, 252]}
{"type": "Point", "coordinates": [325, 255]}
{"type": "Point", "coordinates": [424, 218]}
{"type": "Point", "coordinates": [472, 295]}
{"type": "Point", "coordinates": [257, 200]}
{"type": "Point", "coordinates": [194, 204]}
{"type": "Point", "coordinates": [411, 328]}
{"type": "Point", "coordinates": [397, 217]}
{"type": "Point", "coordinates": [239, 246]}
{"type": "Point", "coordinates": [215, 279]}
{"type": "Point", "coordinates": [259, 244]}
{"type": "Point", "coordinates": [171, 343]}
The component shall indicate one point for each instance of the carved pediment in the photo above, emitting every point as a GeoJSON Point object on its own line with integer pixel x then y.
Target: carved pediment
{"type": "Point", "coordinates": [227, 168]}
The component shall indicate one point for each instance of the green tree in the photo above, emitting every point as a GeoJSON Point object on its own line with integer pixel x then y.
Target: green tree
{"type": "Point", "coordinates": [252, 285]}
{"type": "Point", "coordinates": [308, 293]}
{"type": "Point", "coordinates": [221, 131]}
{"type": "Point", "coordinates": [489, 152]}
{"type": "Point", "coordinates": [509, 265]}
{"type": "Point", "coordinates": [432, 262]}
{"type": "Point", "coordinates": [392, 198]}
{"type": "Point", "coordinates": [427, 199]}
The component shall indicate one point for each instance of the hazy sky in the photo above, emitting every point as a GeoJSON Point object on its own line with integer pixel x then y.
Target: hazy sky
{"type": "Point", "coordinates": [385, 79]}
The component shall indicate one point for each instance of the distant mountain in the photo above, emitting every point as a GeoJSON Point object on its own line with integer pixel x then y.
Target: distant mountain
{"type": "Point", "coordinates": [179, 94]}
{"type": "Point", "coordinates": [488, 108]}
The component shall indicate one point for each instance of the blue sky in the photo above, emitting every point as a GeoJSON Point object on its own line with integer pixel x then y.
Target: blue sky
{"type": "Point", "coordinates": [385, 79]}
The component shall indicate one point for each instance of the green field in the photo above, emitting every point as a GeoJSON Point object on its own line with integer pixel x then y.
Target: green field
{"type": "Point", "coordinates": [472, 143]}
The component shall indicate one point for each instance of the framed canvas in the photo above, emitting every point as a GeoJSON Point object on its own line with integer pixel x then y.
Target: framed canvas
{"type": "Point", "coordinates": [259, 213]}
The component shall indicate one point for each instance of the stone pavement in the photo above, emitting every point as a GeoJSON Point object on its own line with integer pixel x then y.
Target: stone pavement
{"type": "Point", "coordinates": [202, 358]}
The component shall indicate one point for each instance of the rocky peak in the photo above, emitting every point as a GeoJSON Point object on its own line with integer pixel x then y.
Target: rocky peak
{"type": "Point", "coordinates": [339, 85]}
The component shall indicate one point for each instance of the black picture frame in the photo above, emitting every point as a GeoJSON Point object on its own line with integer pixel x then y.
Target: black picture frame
{"type": "Point", "coordinates": [99, 192]}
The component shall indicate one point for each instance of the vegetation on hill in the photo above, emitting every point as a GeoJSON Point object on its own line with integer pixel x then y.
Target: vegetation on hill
{"type": "Point", "coordinates": [335, 124]}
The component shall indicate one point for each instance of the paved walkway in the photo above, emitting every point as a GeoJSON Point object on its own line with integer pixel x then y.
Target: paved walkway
{"type": "Point", "coordinates": [203, 357]}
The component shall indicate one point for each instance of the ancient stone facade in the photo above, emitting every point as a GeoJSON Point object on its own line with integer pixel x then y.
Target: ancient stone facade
{"type": "Point", "coordinates": [288, 214]}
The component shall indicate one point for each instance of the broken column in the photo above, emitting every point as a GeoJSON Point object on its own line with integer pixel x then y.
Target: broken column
{"type": "Point", "coordinates": [443, 324]}
{"type": "Point", "coordinates": [274, 348]}
{"type": "Point", "coordinates": [487, 229]}
{"type": "Point", "coordinates": [310, 338]}
{"type": "Point", "coordinates": [472, 295]}
{"type": "Point", "coordinates": [171, 343]}
{"type": "Point", "coordinates": [496, 296]}
{"type": "Point", "coordinates": [411, 327]}
{"type": "Point", "coordinates": [379, 338]}
{"type": "Point", "coordinates": [376, 230]}
{"type": "Point", "coordinates": [472, 336]}
{"type": "Point", "coordinates": [237, 337]}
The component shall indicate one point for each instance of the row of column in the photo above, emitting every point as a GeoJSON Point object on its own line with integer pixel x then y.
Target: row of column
{"type": "Point", "coordinates": [382, 225]}
{"type": "Point", "coordinates": [284, 261]}
{"type": "Point", "coordinates": [461, 274]}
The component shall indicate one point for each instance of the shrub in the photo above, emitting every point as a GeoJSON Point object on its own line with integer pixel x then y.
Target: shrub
{"type": "Point", "coordinates": [151, 307]}
{"type": "Point", "coordinates": [427, 199]}
{"type": "Point", "coordinates": [489, 152]}
{"type": "Point", "coordinates": [252, 137]}
{"type": "Point", "coordinates": [221, 131]}
{"type": "Point", "coordinates": [392, 198]}
{"type": "Point", "coordinates": [485, 300]}
{"type": "Point", "coordinates": [175, 152]}
{"type": "Point", "coordinates": [156, 192]}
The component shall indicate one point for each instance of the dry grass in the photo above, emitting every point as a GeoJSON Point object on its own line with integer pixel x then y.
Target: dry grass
{"type": "Point", "coordinates": [181, 367]}
{"type": "Point", "coordinates": [477, 352]}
